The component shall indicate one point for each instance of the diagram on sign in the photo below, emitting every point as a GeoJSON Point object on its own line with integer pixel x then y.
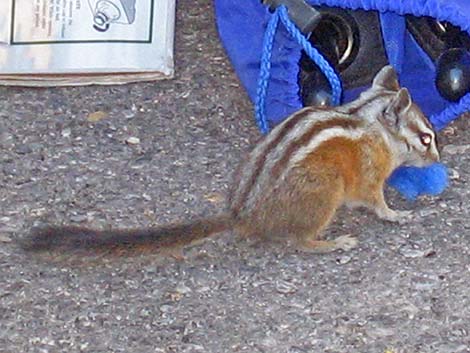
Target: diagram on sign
{"type": "Point", "coordinates": [80, 21]}
{"type": "Point", "coordinates": [107, 12]}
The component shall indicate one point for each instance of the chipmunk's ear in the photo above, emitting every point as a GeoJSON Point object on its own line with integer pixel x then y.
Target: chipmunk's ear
{"type": "Point", "coordinates": [399, 105]}
{"type": "Point", "coordinates": [402, 102]}
{"type": "Point", "coordinates": [387, 79]}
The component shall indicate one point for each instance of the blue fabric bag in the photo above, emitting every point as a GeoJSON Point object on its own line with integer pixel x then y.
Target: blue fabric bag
{"type": "Point", "coordinates": [242, 27]}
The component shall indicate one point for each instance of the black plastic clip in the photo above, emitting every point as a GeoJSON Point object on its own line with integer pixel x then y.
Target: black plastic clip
{"type": "Point", "coordinates": [302, 14]}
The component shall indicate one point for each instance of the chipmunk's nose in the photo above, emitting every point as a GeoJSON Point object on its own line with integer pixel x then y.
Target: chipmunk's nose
{"type": "Point", "coordinates": [436, 151]}
{"type": "Point", "coordinates": [434, 155]}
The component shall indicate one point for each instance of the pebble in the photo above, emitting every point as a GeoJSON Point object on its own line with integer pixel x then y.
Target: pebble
{"type": "Point", "coordinates": [129, 114]}
{"type": "Point", "coordinates": [183, 289]}
{"type": "Point", "coordinates": [6, 140]}
{"type": "Point", "coordinates": [427, 212]}
{"type": "Point", "coordinates": [78, 218]}
{"type": "Point", "coordinates": [96, 116]}
{"type": "Point", "coordinates": [285, 287]}
{"type": "Point", "coordinates": [453, 174]}
{"type": "Point", "coordinates": [133, 140]}
{"type": "Point", "coordinates": [343, 259]}
{"type": "Point", "coordinates": [165, 308]}
{"type": "Point", "coordinates": [145, 313]}
{"type": "Point", "coordinates": [415, 253]}
{"type": "Point", "coordinates": [4, 238]}
{"type": "Point", "coordinates": [411, 253]}
{"type": "Point", "coordinates": [455, 149]}
{"type": "Point", "coordinates": [66, 132]}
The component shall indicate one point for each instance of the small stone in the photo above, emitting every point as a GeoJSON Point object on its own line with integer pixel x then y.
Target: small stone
{"type": "Point", "coordinates": [269, 342]}
{"type": "Point", "coordinates": [133, 140]}
{"type": "Point", "coordinates": [412, 253]}
{"type": "Point", "coordinates": [84, 346]}
{"type": "Point", "coordinates": [456, 149]}
{"type": "Point", "coordinates": [78, 218]}
{"type": "Point", "coordinates": [5, 238]}
{"type": "Point", "coordinates": [285, 287]}
{"type": "Point", "coordinates": [165, 308]}
{"type": "Point", "coordinates": [183, 289]}
{"type": "Point", "coordinates": [6, 140]}
{"type": "Point", "coordinates": [454, 175]}
{"type": "Point", "coordinates": [425, 285]}
{"type": "Point", "coordinates": [35, 340]}
{"type": "Point", "coordinates": [343, 259]}
{"type": "Point", "coordinates": [204, 289]}
{"type": "Point", "coordinates": [427, 212]}
{"type": "Point", "coordinates": [389, 351]}
{"type": "Point", "coordinates": [449, 131]}
{"type": "Point", "coordinates": [96, 116]}
{"type": "Point", "coordinates": [145, 313]}
{"type": "Point", "coordinates": [129, 114]}
{"type": "Point", "coordinates": [66, 132]}
{"type": "Point", "coordinates": [214, 197]}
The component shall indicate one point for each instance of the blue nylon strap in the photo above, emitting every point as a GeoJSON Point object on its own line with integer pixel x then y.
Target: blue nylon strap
{"type": "Point", "coordinates": [265, 66]}
{"type": "Point", "coordinates": [440, 120]}
{"type": "Point", "coordinates": [393, 33]}
{"type": "Point", "coordinates": [264, 72]}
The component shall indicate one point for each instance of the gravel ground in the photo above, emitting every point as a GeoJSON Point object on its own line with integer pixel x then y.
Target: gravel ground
{"type": "Point", "coordinates": [70, 155]}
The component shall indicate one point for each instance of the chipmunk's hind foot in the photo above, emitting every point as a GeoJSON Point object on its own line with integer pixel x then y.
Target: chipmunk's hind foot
{"type": "Point", "coordinates": [344, 242]}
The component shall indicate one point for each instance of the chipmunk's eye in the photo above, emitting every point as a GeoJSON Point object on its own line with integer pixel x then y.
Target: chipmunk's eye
{"type": "Point", "coordinates": [426, 139]}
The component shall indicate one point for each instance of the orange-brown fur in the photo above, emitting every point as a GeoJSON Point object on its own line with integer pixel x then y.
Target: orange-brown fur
{"type": "Point", "coordinates": [339, 166]}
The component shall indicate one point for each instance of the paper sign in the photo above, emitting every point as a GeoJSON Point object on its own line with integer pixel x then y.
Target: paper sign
{"type": "Point", "coordinates": [59, 42]}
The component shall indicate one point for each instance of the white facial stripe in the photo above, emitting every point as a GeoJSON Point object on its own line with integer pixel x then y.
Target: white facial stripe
{"type": "Point", "coordinates": [423, 127]}
{"type": "Point", "coordinates": [415, 129]}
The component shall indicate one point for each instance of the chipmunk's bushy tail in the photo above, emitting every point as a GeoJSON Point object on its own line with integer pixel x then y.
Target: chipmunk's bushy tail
{"type": "Point", "coordinates": [69, 238]}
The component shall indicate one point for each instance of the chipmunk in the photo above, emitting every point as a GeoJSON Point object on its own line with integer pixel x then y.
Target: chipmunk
{"type": "Point", "coordinates": [295, 179]}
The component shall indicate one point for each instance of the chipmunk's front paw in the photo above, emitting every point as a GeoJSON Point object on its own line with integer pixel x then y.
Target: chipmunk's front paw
{"type": "Point", "coordinates": [346, 242]}
{"type": "Point", "coordinates": [400, 217]}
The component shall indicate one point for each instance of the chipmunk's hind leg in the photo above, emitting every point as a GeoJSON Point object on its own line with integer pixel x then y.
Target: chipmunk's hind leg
{"type": "Point", "coordinates": [319, 211]}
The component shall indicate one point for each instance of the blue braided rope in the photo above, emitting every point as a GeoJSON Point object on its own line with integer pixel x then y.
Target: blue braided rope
{"type": "Point", "coordinates": [265, 73]}
{"type": "Point", "coordinates": [314, 54]}
{"type": "Point", "coordinates": [265, 65]}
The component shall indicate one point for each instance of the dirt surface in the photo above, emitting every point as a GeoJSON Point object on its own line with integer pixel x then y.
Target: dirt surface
{"type": "Point", "coordinates": [404, 289]}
